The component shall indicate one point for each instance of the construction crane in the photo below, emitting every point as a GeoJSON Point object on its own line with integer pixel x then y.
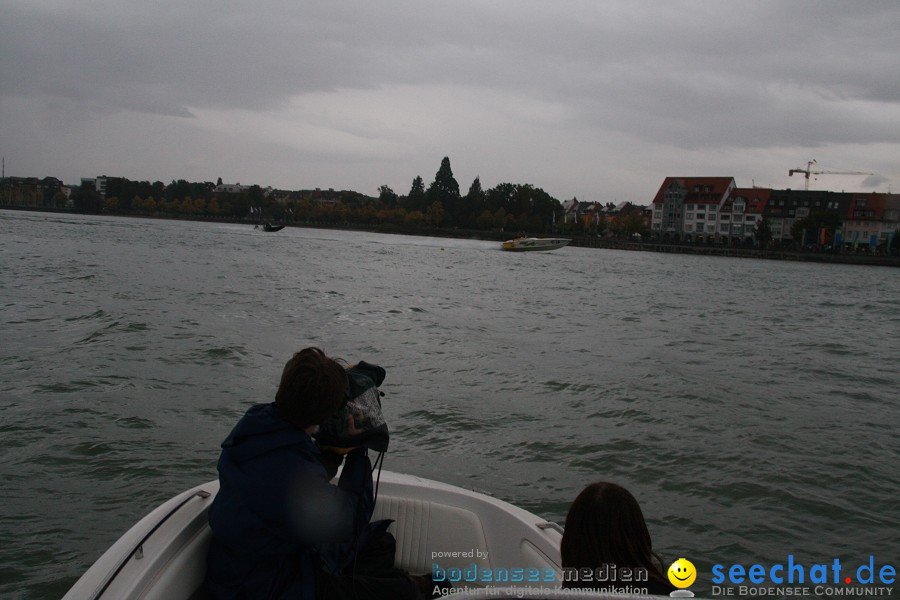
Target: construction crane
{"type": "Point", "coordinates": [808, 171]}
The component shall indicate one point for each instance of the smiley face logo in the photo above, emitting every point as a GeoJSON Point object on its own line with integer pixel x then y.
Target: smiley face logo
{"type": "Point", "coordinates": [682, 573]}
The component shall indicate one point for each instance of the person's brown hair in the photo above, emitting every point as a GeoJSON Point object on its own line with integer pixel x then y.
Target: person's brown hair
{"type": "Point", "coordinates": [605, 525]}
{"type": "Point", "coordinates": [311, 389]}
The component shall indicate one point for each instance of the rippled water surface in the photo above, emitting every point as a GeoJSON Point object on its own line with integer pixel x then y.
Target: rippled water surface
{"type": "Point", "coordinates": [751, 406]}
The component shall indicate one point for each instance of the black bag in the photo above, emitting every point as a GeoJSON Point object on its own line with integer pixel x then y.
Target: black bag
{"type": "Point", "coordinates": [360, 422]}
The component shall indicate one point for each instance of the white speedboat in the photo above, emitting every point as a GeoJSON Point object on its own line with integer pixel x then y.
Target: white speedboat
{"type": "Point", "coordinates": [530, 243]}
{"type": "Point", "coordinates": [465, 534]}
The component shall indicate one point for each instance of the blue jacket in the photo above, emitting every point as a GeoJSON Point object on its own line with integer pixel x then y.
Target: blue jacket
{"type": "Point", "coordinates": [276, 510]}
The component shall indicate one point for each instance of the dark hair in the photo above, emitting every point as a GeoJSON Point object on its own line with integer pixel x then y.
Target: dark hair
{"type": "Point", "coordinates": [311, 389]}
{"type": "Point", "coordinates": [605, 525]}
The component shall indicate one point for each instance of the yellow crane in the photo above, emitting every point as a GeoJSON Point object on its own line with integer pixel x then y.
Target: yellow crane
{"type": "Point", "coordinates": [808, 171]}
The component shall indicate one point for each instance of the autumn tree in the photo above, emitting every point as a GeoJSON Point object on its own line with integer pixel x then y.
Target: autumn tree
{"type": "Point", "coordinates": [806, 230]}
{"type": "Point", "coordinates": [110, 204]}
{"type": "Point", "coordinates": [763, 232]}
{"type": "Point", "coordinates": [634, 223]}
{"type": "Point", "coordinates": [435, 213]}
{"type": "Point", "coordinates": [485, 220]}
{"type": "Point", "coordinates": [471, 205]}
{"type": "Point", "coordinates": [387, 197]}
{"type": "Point", "coordinates": [524, 200]}
{"type": "Point", "coordinates": [414, 218]}
{"type": "Point", "coordinates": [59, 200]}
{"type": "Point", "coordinates": [500, 219]}
{"type": "Point", "coordinates": [86, 198]}
{"type": "Point", "coordinates": [415, 200]}
{"type": "Point", "coordinates": [602, 224]}
{"type": "Point", "coordinates": [445, 189]}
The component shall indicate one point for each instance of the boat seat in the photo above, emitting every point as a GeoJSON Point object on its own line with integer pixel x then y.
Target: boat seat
{"type": "Point", "coordinates": [420, 528]}
{"type": "Point", "coordinates": [428, 533]}
{"type": "Point", "coordinates": [163, 556]}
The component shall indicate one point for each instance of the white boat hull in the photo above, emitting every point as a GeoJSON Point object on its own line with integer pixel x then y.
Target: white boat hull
{"type": "Point", "coordinates": [534, 244]}
{"type": "Point", "coordinates": [163, 556]}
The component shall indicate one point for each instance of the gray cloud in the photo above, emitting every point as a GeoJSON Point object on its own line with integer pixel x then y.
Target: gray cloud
{"type": "Point", "coordinates": [688, 76]}
{"type": "Point", "coordinates": [873, 181]}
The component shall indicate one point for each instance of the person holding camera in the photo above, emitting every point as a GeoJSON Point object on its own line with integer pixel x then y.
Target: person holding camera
{"type": "Point", "coordinates": [280, 529]}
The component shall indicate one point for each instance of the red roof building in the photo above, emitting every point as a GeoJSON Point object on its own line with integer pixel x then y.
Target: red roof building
{"type": "Point", "coordinates": [871, 219]}
{"type": "Point", "coordinates": [740, 213]}
{"type": "Point", "coordinates": [687, 207]}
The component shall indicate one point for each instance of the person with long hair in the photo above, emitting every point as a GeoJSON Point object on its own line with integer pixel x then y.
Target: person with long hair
{"type": "Point", "coordinates": [606, 544]}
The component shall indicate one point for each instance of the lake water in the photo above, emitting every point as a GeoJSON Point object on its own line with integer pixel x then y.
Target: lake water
{"type": "Point", "coordinates": [751, 406]}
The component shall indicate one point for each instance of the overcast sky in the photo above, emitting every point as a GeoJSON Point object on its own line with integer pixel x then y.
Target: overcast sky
{"type": "Point", "coordinates": [595, 99]}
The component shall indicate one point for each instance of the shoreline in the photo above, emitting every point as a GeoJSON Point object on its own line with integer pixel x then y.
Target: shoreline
{"type": "Point", "coordinates": [579, 241]}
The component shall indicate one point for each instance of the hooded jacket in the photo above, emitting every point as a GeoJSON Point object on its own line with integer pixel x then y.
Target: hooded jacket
{"type": "Point", "coordinates": [276, 509]}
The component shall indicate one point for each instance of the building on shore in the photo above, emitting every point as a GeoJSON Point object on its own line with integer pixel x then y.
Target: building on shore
{"type": "Point", "coordinates": [714, 210]}
{"type": "Point", "coordinates": [31, 192]}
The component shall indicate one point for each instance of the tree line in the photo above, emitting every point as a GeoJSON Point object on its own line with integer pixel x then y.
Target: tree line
{"type": "Point", "coordinates": [507, 206]}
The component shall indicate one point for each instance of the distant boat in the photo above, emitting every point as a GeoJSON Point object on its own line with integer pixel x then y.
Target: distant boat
{"type": "Point", "coordinates": [270, 227]}
{"type": "Point", "coordinates": [523, 244]}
